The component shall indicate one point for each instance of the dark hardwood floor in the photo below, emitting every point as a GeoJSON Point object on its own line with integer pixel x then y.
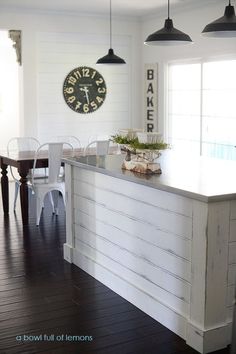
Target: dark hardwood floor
{"type": "Point", "coordinates": [44, 301]}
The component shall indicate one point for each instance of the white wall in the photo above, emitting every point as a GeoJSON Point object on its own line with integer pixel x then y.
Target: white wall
{"type": "Point", "coordinates": [58, 54]}
{"type": "Point", "coordinates": [119, 110]}
{"type": "Point", "coordinates": [43, 34]}
{"type": "Point", "coordinates": [191, 21]}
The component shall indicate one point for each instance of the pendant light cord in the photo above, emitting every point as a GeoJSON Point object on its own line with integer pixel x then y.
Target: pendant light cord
{"type": "Point", "coordinates": [229, 2]}
{"type": "Point", "coordinates": [110, 27]}
{"type": "Point", "coordinates": [168, 9]}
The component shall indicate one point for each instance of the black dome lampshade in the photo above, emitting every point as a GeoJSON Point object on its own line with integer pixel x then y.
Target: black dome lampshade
{"type": "Point", "coordinates": [168, 35]}
{"type": "Point", "coordinates": [111, 58]}
{"type": "Point", "coordinates": [224, 26]}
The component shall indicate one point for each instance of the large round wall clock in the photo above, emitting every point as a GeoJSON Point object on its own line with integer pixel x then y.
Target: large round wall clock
{"type": "Point", "coordinates": [84, 89]}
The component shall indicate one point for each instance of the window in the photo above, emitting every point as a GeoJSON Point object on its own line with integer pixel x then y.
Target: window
{"type": "Point", "coordinates": [202, 109]}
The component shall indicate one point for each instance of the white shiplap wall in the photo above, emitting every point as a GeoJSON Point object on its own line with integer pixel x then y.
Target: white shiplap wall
{"type": "Point", "coordinates": [59, 53]}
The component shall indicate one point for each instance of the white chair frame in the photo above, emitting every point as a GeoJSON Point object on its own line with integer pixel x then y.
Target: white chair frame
{"type": "Point", "coordinates": [55, 152]}
{"type": "Point", "coordinates": [70, 139]}
{"type": "Point", "coordinates": [102, 147]}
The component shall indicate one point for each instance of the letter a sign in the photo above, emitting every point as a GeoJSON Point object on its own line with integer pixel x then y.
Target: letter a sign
{"type": "Point", "coordinates": [150, 103]}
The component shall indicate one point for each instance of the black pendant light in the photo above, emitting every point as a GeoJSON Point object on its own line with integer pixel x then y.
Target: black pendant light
{"type": "Point", "coordinates": [224, 26]}
{"type": "Point", "coordinates": [110, 58]}
{"type": "Point", "coordinates": [168, 35]}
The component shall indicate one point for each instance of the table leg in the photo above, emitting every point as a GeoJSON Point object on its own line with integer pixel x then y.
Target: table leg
{"type": "Point", "coordinates": [5, 189]}
{"type": "Point", "coordinates": [24, 195]}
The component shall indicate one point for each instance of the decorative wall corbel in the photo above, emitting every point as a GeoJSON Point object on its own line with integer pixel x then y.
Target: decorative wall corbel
{"type": "Point", "coordinates": [15, 36]}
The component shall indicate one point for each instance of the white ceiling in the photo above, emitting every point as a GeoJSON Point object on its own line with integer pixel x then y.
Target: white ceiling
{"type": "Point", "coordinates": [119, 7]}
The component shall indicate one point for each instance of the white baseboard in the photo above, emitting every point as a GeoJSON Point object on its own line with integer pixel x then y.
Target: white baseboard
{"type": "Point", "coordinates": [206, 341]}
{"type": "Point", "coordinates": [68, 252]}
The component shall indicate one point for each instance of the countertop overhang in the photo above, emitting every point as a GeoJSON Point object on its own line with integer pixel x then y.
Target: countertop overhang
{"type": "Point", "coordinates": [199, 178]}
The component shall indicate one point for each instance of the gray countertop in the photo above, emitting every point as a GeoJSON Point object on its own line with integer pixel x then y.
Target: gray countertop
{"type": "Point", "coordinates": [200, 178]}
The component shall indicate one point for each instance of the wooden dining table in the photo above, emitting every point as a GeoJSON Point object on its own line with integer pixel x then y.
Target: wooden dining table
{"type": "Point", "coordinates": [23, 162]}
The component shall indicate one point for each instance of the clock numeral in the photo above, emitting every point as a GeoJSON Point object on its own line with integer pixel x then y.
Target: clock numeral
{"type": "Point", "coordinates": [101, 90]}
{"type": "Point", "coordinates": [85, 72]}
{"type": "Point", "coordinates": [99, 99]}
{"type": "Point", "coordinates": [78, 104]}
{"type": "Point", "coordinates": [93, 74]}
{"type": "Point", "coordinates": [72, 80]}
{"type": "Point", "coordinates": [85, 108]}
{"type": "Point", "coordinates": [69, 90]}
{"type": "Point", "coordinates": [71, 99]}
{"type": "Point", "coordinates": [94, 105]}
{"type": "Point", "coordinates": [77, 74]}
{"type": "Point", "coordinates": [99, 81]}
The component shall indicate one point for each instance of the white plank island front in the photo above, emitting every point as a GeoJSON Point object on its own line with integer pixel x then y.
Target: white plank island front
{"type": "Point", "coordinates": [166, 243]}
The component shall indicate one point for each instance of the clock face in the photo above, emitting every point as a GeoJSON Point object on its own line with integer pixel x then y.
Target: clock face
{"type": "Point", "coordinates": [84, 89]}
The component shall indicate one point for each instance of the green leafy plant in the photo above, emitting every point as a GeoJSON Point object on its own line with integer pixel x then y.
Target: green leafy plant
{"type": "Point", "coordinates": [119, 139]}
{"type": "Point", "coordinates": [136, 145]}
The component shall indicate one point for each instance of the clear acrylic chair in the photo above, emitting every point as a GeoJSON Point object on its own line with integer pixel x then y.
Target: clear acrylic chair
{"type": "Point", "coordinates": [98, 147]}
{"type": "Point", "coordinates": [54, 182]}
{"type": "Point", "coordinates": [17, 145]}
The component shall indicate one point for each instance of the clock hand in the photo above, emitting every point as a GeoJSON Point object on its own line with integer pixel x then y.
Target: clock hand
{"type": "Point", "coordinates": [86, 91]}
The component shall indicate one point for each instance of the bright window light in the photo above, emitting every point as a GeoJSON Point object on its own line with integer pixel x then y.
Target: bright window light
{"type": "Point", "coordinates": [201, 106]}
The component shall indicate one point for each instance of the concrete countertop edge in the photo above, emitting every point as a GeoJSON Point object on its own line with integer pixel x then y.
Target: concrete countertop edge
{"type": "Point", "coordinates": [166, 188]}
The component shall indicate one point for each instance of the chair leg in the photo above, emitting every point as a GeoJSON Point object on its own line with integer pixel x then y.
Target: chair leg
{"type": "Point", "coordinates": [39, 205]}
{"type": "Point", "coordinates": [16, 195]}
{"type": "Point", "coordinates": [52, 202]}
{"type": "Point", "coordinates": [64, 199]}
{"type": "Point", "coordinates": [55, 198]}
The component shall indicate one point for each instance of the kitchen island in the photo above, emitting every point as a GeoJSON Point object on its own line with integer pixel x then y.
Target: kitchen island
{"type": "Point", "coordinates": [166, 243]}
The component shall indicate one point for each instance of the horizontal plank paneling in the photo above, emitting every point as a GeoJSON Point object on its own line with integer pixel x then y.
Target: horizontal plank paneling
{"type": "Point", "coordinates": [135, 227]}
{"type": "Point", "coordinates": [137, 210]}
{"type": "Point", "coordinates": [49, 108]}
{"type": "Point", "coordinates": [148, 195]}
{"type": "Point", "coordinates": [135, 230]}
{"type": "Point", "coordinates": [132, 248]}
{"type": "Point", "coordinates": [139, 280]}
{"type": "Point", "coordinates": [57, 55]}
{"type": "Point", "coordinates": [145, 302]}
{"type": "Point", "coordinates": [78, 39]}
{"type": "Point", "coordinates": [128, 264]}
